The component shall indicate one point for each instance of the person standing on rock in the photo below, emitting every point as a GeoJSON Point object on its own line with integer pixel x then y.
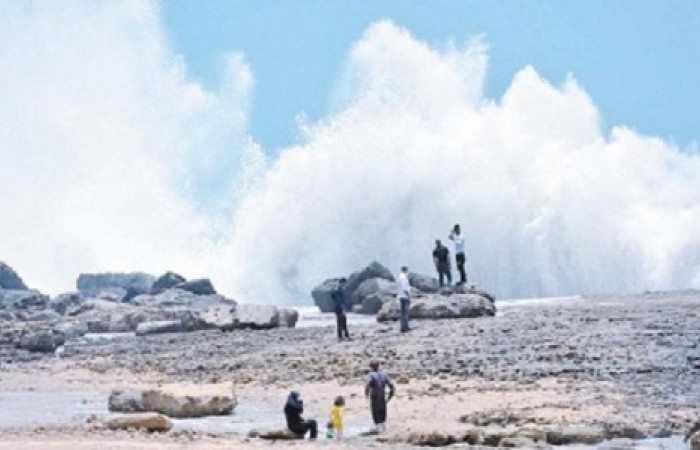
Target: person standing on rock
{"type": "Point", "coordinates": [296, 424]}
{"type": "Point", "coordinates": [441, 257]}
{"type": "Point", "coordinates": [375, 389]}
{"type": "Point", "coordinates": [457, 237]}
{"type": "Point", "coordinates": [404, 294]}
{"type": "Point", "coordinates": [338, 296]}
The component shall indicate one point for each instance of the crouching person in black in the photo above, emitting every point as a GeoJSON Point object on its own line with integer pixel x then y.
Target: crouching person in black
{"type": "Point", "coordinates": [296, 424]}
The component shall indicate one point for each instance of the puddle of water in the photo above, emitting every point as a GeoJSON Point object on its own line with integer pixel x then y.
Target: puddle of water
{"type": "Point", "coordinates": [21, 408]}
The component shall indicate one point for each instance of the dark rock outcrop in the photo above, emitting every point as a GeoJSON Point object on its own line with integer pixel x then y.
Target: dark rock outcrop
{"type": "Point", "coordinates": [45, 341]}
{"type": "Point", "coordinates": [322, 295]}
{"type": "Point", "coordinates": [373, 270]}
{"type": "Point", "coordinates": [22, 300]}
{"type": "Point", "coordinates": [68, 303]}
{"type": "Point", "coordinates": [201, 286]}
{"type": "Point", "coordinates": [134, 283]}
{"type": "Point", "coordinates": [10, 280]}
{"type": "Point", "coordinates": [166, 281]}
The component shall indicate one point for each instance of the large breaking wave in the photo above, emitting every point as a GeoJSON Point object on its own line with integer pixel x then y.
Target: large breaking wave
{"type": "Point", "coordinates": [112, 158]}
{"type": "Point", "coordinates": [549, 204]}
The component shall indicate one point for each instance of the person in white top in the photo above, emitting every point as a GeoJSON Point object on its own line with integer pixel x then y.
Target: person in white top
{"type": "Point", "coordinates": [404, 293]}
{"type": "Point", "coordinates": [457, 237]}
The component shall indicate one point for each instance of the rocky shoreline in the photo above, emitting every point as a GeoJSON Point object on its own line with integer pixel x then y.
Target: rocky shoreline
{"type": "Point", "coordinates": [585, 370]}
{"type": "Point", "coordinates": [537, 374]}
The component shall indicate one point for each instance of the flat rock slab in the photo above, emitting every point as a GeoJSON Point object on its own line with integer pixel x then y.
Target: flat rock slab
{"type": "Point", "coordinates": [148, 421]}
{"type": "Point", "coordinates": [154, 400]}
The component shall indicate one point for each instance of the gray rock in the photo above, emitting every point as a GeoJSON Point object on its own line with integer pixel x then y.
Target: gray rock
{"type": "Point", "coordinates": [373, 303]}
{"type": "Point", "coordinates": [201, 286]}
{"type": "Point", "coordinates": [373, 270]}
{"type": "Point", "coordinates": [67, 304]}
{"type": "Point", "coordinates": [373, 286]}
{"type": "Point", "coordinates": [115, 294]}
{"type": "Point", "coordinates": [159, 327]}
{"type": "Point", "coordinates": [135, 283]}
{"type": "Point", "coordinates": [221, 317]}
{"type": "Point", "coordinates": [22, 300]}
{"type": "Point", "coordinates": [166, 281]}
{"type": "Point", "coordinates": [434, 306]}
{"type": "Point", "coordinates": [516, 441]}
{"type": "Point", "coordinates": [423, 283]}
{"type": "Point", "coordinates": [287, 318]}
{"type": "Point", "coordinates": [322, 295]}
{"type": "Point", "coordinates": [146, 421]}
{"type": "Point", "coordinates": [471, 289]}
{"type": "Point", "coordinates": [42, 341]}
{"type": "Point", "coordinates": [46, 315]}
{"type": "Point", "coordinates": [256, 317]}
{"type": "Point", "coordinates": [575, 434]}
{"type": "Point", "coordinates": [10, 280]}
{"type": "Point", "coordinates": [169, 404]}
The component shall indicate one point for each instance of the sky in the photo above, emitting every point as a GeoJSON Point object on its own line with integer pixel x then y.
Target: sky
{"type": "Point", "coordinates": [272, 145]}
{"type": "Point", "coordinates": [637, 58]}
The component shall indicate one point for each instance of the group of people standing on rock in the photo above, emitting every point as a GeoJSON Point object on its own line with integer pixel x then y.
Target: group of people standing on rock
{"type": "Point", "coordinates": [441, 258]}
{"type": "Point", "coordinates": [376, 385]}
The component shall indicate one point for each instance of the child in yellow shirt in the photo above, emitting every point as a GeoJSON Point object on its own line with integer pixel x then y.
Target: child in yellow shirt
{"type": "Point", "coordinates": [337, 416]}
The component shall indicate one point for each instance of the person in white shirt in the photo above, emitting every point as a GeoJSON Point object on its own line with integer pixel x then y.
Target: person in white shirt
{"type": "Point", "coordinates": [404, 293]}
{"type": "Point", "coordinates": [457, 237]}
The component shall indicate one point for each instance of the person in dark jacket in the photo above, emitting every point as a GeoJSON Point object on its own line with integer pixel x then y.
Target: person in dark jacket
{"type": "Point", "coordinates": [375, 389]}
{"type": "Point", "coordinates": [339, 306]}
{"type": "Point", "coordinates": [296, 424]}
{"type": "Point", "coordinates": [441, 258]}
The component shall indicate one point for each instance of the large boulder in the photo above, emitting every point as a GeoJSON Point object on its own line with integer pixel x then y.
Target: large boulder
{"type": "Point", "coordinates": [201, 286]}
{"type": "Point", "coordinates": [322, 295]}
{"type": "Point", "coordinates": [22, 300]}
{"type": "Point", "coordinates": [171, 405]}
{"type": "Point", "coordinates": [135, 283]}
{"type": "Point", "coordinates": [46, 341]}
{"type": "Point", "coordinates": [256, 317]}
{"type": "Point", "coordinates": [147, 421]}
{"type": "Point", "coordinates": [423, 283]}
{"type": "Point", "coordinates": [435, 306]}
{"type": "Point", "coordinates": [181, 299]}
{"type": "Point", "coordinates": [373, 270]}
{"type": "Point", "coordinates": [166, 281]}
{"type": "Point", "coordinates": [373, 303]}
{"type": "Point", "coordinates": [10, 280]}
{"type": "Point", "coordinates": [373, 287]}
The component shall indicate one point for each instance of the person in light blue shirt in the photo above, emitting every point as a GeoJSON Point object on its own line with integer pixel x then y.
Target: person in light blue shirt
{"type": "Point", "coordinates": [457, 237]}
